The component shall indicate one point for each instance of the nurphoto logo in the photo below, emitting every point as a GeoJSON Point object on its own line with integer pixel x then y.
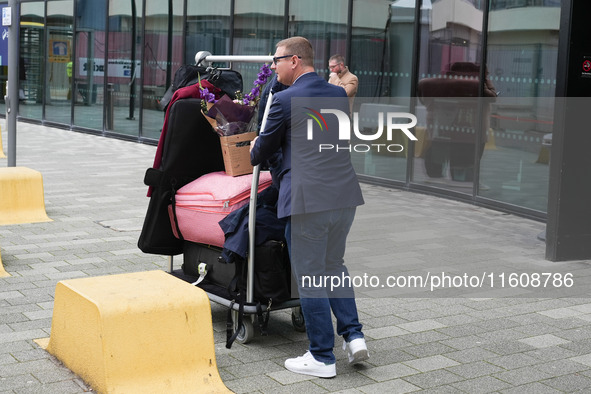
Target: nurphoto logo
{"type": "Point", "coordinates": [391, 120]}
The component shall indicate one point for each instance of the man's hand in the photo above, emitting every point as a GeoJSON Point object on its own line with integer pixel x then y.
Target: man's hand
{"type": "Point", "coordinates": [252, 143]}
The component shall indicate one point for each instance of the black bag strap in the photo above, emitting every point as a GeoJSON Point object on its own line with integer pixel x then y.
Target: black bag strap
{"type": "Point", "coordinates": [231, 337]}
{"type": "Point", "coordinates": [264, 321]}
{"type": "Point", "coordinates": [238, 298]}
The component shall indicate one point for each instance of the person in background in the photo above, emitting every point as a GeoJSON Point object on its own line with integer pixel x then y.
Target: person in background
{"type": "Point", "coordinates": [69, 73]}
{"type": "Point", "coordinates": [341, 76]}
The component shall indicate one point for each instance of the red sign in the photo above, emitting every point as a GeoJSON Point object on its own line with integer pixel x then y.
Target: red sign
{"type": "Point", "coordinates": [587, 65]}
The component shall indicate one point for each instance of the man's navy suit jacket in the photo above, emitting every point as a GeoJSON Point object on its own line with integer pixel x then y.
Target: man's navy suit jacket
{"type": "Point", "coordinates": [310, 179]}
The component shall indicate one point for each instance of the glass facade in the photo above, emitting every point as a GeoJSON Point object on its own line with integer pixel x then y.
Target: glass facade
{"type": "Point", "coordinates": [32, 59]}
{"type": "Point", "coordinates": [59, 21]}
{"type": "Point", "coordinates": [163, 52]}
{"type": "Point", "coordinates": [101, 66]}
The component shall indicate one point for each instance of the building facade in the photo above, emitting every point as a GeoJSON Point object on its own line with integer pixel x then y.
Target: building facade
{"type": "Point", "coordinates": [101, 66]}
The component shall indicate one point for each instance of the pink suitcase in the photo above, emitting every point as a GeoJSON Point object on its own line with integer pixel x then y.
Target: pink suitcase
{"type": "Point", "coordinates": [201, 204]}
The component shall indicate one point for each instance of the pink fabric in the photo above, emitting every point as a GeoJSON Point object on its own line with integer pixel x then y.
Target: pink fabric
{"type": "Point", "coordinates": [201, 204]}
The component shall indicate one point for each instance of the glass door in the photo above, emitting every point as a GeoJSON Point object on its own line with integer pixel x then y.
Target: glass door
{"type": "Point", "coordinates": [32, 60]}
{"type": "Point", "coordinates": [59, 50]}
{"type": "Point", "coordinates": [163, 53]}
{"type": "Point", "coordinates": [88, 68]}
{"type": "Point", "coordinates": [123, 63]}
{"type": "Point", "coordinates": [382, 45]}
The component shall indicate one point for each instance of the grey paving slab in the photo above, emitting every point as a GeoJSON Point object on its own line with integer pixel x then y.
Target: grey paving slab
{"type": "Point", "coordinates": [561, 367]}
{"type": "Point", "coordinates": [431, 363]}
{"type": "Point", "coordinates": [569, 383]}
{"type": "Point", "coordinates": [428, 349]}
{"type": "Point", "coordinates": [345, 381]}
{"type": "Point", "coordinates": [391, 386]}
{"type": "Point", "coordinates": [485, 384]}
{"type": "Point", "coordinates": [425, 337]}
{"type": "Point", "coordinates": [531, 388]}
{"type": "Point", "coordinates": [585, 359]}
{"type": "Point", "coordinates": [521, 376]}
{"type": "Point", "coordinates": [475, 369]}
{"type": "Point", "coordinates": [433, 379]}
{"type": "Point", "coordinates": [444, 341]}
{"type": "Point", "coordinates": [470, 355]}
{"type": "Point", "coordinates": [542, 341]}
{"type": "Point", "coordinates": [388, 372]}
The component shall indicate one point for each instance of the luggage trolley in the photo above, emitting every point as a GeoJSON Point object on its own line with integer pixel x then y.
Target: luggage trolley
{"type": "Point", "coordinates": [244, 328]}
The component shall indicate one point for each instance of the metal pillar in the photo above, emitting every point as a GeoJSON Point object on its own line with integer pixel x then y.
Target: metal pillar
{"type": "Point", "coordinates": [12, 84]}
{"type": "Point", "coordinates": [568, 229]}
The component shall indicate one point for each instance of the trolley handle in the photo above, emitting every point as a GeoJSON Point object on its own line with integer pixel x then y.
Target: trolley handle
{"type": "Point", "coordinates": [252, 215]}
{"type": "Point", "coordinates": [206, 57]}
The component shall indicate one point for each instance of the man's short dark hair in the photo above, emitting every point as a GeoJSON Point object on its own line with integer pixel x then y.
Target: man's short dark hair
{"type": "Point", "coordinates": [337, 58]}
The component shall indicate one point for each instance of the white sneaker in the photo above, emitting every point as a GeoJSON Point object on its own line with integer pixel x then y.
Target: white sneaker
{"type": "Point", "coordinates": [307, 365]}
{"type": "Point", "coordinates": [356, 350]}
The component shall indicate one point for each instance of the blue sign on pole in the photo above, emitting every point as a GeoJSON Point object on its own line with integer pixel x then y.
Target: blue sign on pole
{"type": "Point", "coordinates": [4, 44]}
{"type": "Point", "coordinates": [60, 48]}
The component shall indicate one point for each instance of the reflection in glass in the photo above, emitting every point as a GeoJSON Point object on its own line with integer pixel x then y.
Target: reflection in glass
{"type": "Point", "coordinates": [522, 65]}
{"type": "Point", "coordinates": [494, 149]}
{"type": "Point", "coordinates": [324, 23]}
{"type": "Point", "coordinates": [382, 52]}
{"type": "Point", "coordinates": [208, 28]}
{"type": "Point", "coordinates": [163, 53]}
{"type": "Point", "coordinates": [451, 137]}
{"type": "Point", "coordinates": [59, 30]}
{"type": "Point", "coordinates": [86, 90]}
{"type": "Point", "coordinates": [124, 67]}
{"type": "Point", "coordinates": [258, 26]}
{"type": "Point", "coordinates": [32, 59]}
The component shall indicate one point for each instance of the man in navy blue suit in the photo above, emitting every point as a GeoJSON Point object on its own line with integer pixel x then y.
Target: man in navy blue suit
{"type": "Point", "coordinates": [319, 193]}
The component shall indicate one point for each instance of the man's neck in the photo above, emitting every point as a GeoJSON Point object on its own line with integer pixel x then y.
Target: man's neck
{"type": "Point", "coordinates": [304, 70]}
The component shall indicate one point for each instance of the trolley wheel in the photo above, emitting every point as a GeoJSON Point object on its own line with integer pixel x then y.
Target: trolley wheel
{"type": "Point", "coordinates": [245, 331]}
{"type": "Point", "coordinates": [297, 319]}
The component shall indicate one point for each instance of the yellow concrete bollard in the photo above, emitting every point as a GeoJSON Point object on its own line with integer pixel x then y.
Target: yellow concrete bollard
{"type": "Point", "coordinates": [145, 332]}
{"type": "Point", "coordinates": [2, 155]}
{"type": "Point", "coordinates": [491, 142]}
{"type": "Point", "coordinates": [21, 196]}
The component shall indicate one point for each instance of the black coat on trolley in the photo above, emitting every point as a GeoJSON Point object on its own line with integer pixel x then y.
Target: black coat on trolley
{"type": "Point", "coordinates": [191, 149]}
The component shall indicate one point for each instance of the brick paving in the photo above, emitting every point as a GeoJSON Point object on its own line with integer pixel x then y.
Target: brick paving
{"type": "Point", "coordinates": [502, 340]}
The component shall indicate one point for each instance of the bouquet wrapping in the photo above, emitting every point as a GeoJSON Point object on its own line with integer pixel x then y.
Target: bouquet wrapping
{"type": "Point", "coordinates": [229, 117]}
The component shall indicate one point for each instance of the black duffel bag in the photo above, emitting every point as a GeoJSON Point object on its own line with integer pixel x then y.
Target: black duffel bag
{"type": "Point", "coordinates": [272, 285]}
{"type": "Point", "coordinates": [228, 81]}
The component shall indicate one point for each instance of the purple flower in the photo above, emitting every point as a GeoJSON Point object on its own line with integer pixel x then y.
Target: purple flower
{"type": "Point", "coordinates": [207, 96]}
{"type": "Point", "coordinates": [266, 71]}
{"type": "Point", "coordinates": [262, 76]}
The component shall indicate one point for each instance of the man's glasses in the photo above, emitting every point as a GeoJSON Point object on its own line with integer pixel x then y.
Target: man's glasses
{"type": "Point", "coordinates": [276, 58]}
